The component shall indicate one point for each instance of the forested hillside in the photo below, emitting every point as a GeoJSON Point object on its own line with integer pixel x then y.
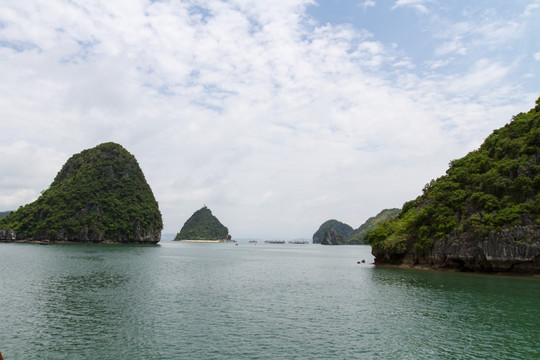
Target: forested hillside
{"type": "Point", "coordinates": [203, 225]}
{"type": "Point", "coordinates": [99, 195]}
{"type": "Point", "coordinates": [343, 231]}
{"type": "Point", "coordinates": [487, 204]}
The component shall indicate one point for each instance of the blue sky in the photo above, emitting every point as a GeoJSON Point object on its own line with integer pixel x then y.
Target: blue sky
{"type": "Point", "coordinates": [455, 33]}
{"type": "Point", "coordinates": [278, 115]}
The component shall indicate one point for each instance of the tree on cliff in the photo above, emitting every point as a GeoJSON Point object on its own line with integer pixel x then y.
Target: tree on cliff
{"type": "Point", "coordinates": [203, 225]}
{"type": "Point", "coordinates": [491, 190]}
{"type": "Point", "coordinates": [100, 194]}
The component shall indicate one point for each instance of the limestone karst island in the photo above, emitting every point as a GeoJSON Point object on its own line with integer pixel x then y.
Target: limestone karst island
{"type": "Point", "coordinates": [203, 226]}
{"type": "Point", "coordinates": [483, 215]}
{"type": "Point", "coordinates": [99, 196]}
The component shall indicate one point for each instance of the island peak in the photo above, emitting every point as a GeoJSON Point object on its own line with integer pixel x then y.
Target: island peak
{"type": "Point", "coordinates": [203, 226]}
{"type": "Point", "coordinates": [100, 196]}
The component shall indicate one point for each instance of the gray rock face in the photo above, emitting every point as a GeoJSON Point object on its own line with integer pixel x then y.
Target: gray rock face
{"type": "Point", "coordinates": [7, 235]}
{"type": "Point", "coordinates": [512, 250]}
{"type": "Point", "coordinates": [331, 237]}
{"type": "Point", "coordinates": [515, 249]}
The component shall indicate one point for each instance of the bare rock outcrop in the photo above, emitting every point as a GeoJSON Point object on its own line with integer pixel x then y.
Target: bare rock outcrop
{"type": "Point", "coordinates": [331, 237]}
{"type": "Point", "coordinates": [515, 249]}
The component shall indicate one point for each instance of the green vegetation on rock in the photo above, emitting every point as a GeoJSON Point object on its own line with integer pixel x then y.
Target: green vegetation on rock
{"type": "Point", "coordinates": [490, 195]}
{"type": "Point", "coordinates": [99, 195]}
{"type": "Point", "coordinates": [202, 225]}
{"type": "Point", "coordinates": [343, 231]}
{"type": "Point", "coordinates": [357, 238]}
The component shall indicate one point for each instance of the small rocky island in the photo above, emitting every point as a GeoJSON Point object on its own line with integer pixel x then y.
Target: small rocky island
{"type": "Point", "coordinates": [99, 196]}
{"type": "Point", "coordinates": [203, 226]}
{"type": "Point", "coordinates": [341, 231]}
{"type": "Point", "coordinates": [483, 215]}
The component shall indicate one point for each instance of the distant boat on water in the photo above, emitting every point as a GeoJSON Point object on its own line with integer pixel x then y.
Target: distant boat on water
{"type": "Point", "coordinates": [299, 242]}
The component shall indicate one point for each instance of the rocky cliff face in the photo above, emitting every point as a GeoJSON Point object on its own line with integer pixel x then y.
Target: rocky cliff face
{"type": "Point", "coordinates": [331, 237]}
{"type": "Point", "coordinates": [99, 195]}
{"type": "Point", "coordinates": [7, 235]}
{"type": "Point", "coordinates": [515, 250]}
{"type": "Point", "coordinates": [511, 250]}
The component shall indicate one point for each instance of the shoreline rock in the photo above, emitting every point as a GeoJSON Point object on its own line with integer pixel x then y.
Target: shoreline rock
{"type": "Point", "coordinates": [503, 251]}
{"type": "Point", "coordinates": [61, 242]}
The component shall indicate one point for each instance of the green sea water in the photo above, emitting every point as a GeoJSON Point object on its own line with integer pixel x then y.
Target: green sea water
{"type": "Point", "coordinates": [264, 301]}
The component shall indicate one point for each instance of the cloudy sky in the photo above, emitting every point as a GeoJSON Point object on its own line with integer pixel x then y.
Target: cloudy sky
{"type": "Point", "coordinates": [278, 115]}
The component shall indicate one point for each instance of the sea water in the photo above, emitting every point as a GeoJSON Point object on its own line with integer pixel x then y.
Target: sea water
{"type": "Point", "coordinates": [253, 301]}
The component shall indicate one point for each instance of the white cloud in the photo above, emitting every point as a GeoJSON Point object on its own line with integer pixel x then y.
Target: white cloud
{"type": "Point", "coordinates": [531, 8]}
{"type": "Point", "coordinates": [20, 163]}
{"type": "Point", "coordinates": [464, 37]}
{"type": "Point", "coordinates": [455, 46]}
{"type": "Point", "coordinates": [418, 5]}
{"type": "Point", "coordinates": [367, 4]}
{"type": "Point", "coordinates": [482, 75]}
{"type": "Point", "coordinates": [537, 56]}
{"type": "Point", "coordinates": [275, 123]}
{"type": "Point", "coordinates": [499, 32]}
{"type": "Point", "coordinates": [434, 65]}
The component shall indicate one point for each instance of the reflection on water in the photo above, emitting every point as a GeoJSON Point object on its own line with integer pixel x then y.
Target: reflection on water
{"type": "Point", "coordinates": [221, 301]}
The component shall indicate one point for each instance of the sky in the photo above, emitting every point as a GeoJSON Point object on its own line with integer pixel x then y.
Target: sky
{"type": "Point", "coordinates": [278, 115]}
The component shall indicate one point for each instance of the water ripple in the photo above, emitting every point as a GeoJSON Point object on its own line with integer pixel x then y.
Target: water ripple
{"type": "Point", "coordinates": [218, 301]}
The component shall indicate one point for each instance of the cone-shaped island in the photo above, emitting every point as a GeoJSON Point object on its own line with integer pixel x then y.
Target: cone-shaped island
{"type": "Point", "coordinates": [99, 196]}
{"type": "Point", "coordinates": [202, 226]}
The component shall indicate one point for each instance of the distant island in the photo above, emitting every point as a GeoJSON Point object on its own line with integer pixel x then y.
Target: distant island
{"type": "Point", "coordinates": [99, 196]}
{"type": "Point", "coordinates": [203, 226]}
{"type": "Point", "coordinates": [343, 231]}
{"type": "Point", "coordinates": [4, 213]}
{"type": "Point", "coordinates": [334, 232]}
{"type": "Point", "coordinates": [483, 215]}
{"type": "Point", "coordinates": [358, 236]}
